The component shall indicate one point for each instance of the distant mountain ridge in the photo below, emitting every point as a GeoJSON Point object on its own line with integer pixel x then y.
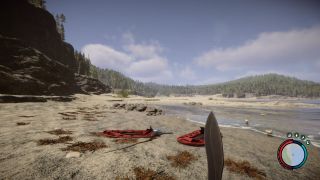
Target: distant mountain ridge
{"type": "Point", "coordinates": [258, 85]}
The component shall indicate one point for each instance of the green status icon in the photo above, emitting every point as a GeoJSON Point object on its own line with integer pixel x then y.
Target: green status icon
{"type": "Point", "coordinates": [296, 135]}
{"type": "Point", "coordinates": [289, 134]}
{"type": "Point", "coordinates": [303, 137]}
{"type": "Point", "coordinates": [308, 142]}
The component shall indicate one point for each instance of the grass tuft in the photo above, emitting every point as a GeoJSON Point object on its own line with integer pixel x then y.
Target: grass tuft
{"type": "Point", "coordinates": [85, 146]}
{"type": "Point", "coordinates": [122, 178]}
{"type": "Point", "coordinates": [147, 174]}
{"type": "Point", "coordinates": [182, 159]}
{"type": "Point", "coordinates": [26, 116]}
{"type": "Point", "coordinates": [69, 118]}
{"type": "Point", "coordinates": [22, 123]}
{"type": "Point", "coordinates": [62, 139]}
{"type": "Point", "coordinates": [59, 132]}
{"type": "Point", "coordinates": [244, 167]}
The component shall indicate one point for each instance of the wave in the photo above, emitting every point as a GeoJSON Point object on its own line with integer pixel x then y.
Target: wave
{"type": "Point", "coordinates": [316, 144]}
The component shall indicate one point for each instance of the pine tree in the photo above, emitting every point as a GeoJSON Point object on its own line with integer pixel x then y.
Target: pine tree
{"type": "Point", "coordinates": [60, 20]}
{"type": "Point", "coordinates": [38, 3]}
{"type": "Point", "coordinates": [62, 32]}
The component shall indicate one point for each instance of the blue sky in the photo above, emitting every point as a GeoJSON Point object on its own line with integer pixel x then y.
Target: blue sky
{"type": "Point", "coordinates": [194, 41]}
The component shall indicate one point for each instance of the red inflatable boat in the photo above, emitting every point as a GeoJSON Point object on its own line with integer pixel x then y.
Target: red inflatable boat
{"type": "Point", "coordinates": [148, 133]}
{"type": "Point", "coordinates": [195, 138]}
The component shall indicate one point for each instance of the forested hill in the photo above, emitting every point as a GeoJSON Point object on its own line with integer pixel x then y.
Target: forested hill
{"type": "Point", "coordinates": [260, 85]}
{"type": "Point", "coordinates": [118, 81]}
{"type": "Point", "coordinates": [268, 84]}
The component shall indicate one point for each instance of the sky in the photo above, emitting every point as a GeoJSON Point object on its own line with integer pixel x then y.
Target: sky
{"type": "Point", "coordinates": [196, 41]}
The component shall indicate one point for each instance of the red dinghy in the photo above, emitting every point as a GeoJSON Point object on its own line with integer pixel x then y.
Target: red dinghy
{"type": "Point", "coordinates": [195, 138]}
{"type": "Point", "coordinates": [148, 133]}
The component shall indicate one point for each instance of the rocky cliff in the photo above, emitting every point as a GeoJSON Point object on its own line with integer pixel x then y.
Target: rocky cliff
{"type": "Point", "coordinates": [37, 27]}
{"type": "Point", "coordinates": [33, 58]}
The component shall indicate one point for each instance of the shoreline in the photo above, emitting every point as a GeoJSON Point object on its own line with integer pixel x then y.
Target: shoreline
{"type": "Point", "coordinates": [248, 128]}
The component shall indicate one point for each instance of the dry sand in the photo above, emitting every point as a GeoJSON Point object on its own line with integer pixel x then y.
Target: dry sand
{"type": "Point", "coordinates": [22, 158]}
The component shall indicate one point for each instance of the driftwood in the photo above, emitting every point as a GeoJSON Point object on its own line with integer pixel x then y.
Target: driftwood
{"type": "Point", "coordinates": [214, 148]}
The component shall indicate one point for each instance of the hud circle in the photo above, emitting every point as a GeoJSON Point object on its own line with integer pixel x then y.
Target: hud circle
{"type": "Point", "coordinates": [292, 154]}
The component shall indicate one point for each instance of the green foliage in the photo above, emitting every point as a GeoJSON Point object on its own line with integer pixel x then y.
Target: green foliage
{"type": "Point", "coordinates": [117, 80]}
{"type": "Point", "coordinates": [123, 93]}
{"type": "Point", "coordinates": [38, 3]}
{"type": "Point", "coordinates": [84, 65]}
{"type": "Point", "coordinates": [60, 20]}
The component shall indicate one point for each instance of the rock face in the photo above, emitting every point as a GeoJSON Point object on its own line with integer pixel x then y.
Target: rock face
{"type": "Point", "coordinates": [91, 85]}
{"type": "Point", "coordinates": [33, 58]}
{"type": "Point", "coordinates": [25, 70]}
{"type": "Point", "coordinates": [36, 26]}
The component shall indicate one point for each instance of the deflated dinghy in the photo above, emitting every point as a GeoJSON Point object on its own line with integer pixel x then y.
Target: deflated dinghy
{"type": "Point", "coordinates": [148, 133]}
{"type": "Point", "coordinates": [195, 138]}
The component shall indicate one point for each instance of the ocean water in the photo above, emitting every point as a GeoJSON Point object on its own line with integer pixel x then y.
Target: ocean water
{"type": "Point", "coordinates": [305, 121]}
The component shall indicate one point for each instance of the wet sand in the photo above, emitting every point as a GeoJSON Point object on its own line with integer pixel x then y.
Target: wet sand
{"type": "Point", "coordinates": [22, 158]}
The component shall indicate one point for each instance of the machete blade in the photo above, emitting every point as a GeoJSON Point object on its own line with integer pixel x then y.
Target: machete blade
{"type": "Point", "coordinates": [214, 148]}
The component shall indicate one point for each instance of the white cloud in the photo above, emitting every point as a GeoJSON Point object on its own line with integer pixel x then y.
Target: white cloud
{"type": "Point", "coordinates": [187, 73]}
{"type": "Point", "coordinates": [106, 57]}
{"type": "Point", "coordinates": [141, 61]}
{"type": "Point", "coordinates": [144, 50]}
{"type": "Point", "coordinates": [296, 50]}
{"type": "Point", "coordinates": [149, 67]}
{"type": "Point", "coordinates": [162, 77]}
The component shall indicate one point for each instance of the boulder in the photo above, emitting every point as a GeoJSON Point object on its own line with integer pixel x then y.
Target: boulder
{"type": "Point", "coordinates": [141, 107]}
{"type": "Point", "coordinates": [131, 107]}
{"type": "Point", "coordinates": [151, 109]}
{"type": "Point", "coordinates": [193, 103]}
{"type": "Point", "coordinates": [151, 114]}
{"type": "Point", "coordinates": [115, 105]}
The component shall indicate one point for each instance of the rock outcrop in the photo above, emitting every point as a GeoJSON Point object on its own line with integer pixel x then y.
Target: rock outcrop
{"type": "Point", "coordinates": [151, 111]}
{"type": "Point", "coordinates": [25, 70]}
{"type": "Point", "coordinates": [33, 58]}
{"type": "Point", "coordinates": [37, 27]}
{"type": "Point", "coordinates": [90, 85]}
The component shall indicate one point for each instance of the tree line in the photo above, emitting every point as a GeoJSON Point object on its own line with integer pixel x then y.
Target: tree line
{"type": "Point", "coordinates": [260, 85]}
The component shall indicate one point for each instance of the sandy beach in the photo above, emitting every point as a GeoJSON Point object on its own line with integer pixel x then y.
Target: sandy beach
{"type": "Point", "coordinates": [21, 156]}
